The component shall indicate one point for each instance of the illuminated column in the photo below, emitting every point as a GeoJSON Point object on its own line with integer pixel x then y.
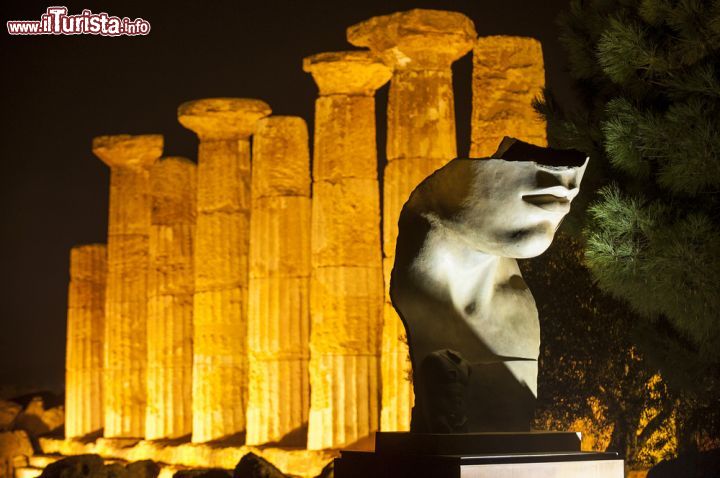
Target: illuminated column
{"type": "Point", "coordinates": [421, 46]}
{"type": "Point", "coordinates": [347, 283]}
{"type": "Point", "coordinates": [125, 358]}
{"type": "Point", "coordinates": [224, 126]}
{"type": "Point", "coordinates": [84, 357]}
{"type": "Point", "coordinates": [508, 74]}
{"type": "Point", "coordinates": [279, 318]}
{"type": "Point", "coordinates": [170, 299]}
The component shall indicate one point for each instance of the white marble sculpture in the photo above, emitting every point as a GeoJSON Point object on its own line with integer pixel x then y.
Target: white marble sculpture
{"type": "Point", "coordinates": [471, 321]}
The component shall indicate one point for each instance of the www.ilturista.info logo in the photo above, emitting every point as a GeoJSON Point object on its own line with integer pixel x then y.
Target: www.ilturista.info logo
{"type": "Point", "coordinates": [56, 21]}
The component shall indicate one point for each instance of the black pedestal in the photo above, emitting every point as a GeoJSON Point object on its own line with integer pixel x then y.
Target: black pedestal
{"type": "Point", "coordinates": [478, 455]}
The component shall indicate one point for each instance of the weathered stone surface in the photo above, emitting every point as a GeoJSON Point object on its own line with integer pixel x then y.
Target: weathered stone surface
{"type": "Point", "coordinates": [80, 466]}
{"type": "Point", "coordinates": [421, 116]}
{"type": "Point", "coordinates": [281, 158]}
{"type": "Point", "coordinates": [85, 337]}
{"type": "Point", "coordinates": [280, 237]}
{"type": "Point", "coordinates": [224, 126]}
{"type": "Point", "coordinates": [170, 299]}
{"type": "Point", "coordinates": [347, 305]}
{"type": "Point", "coordinates": [346, 282]}
{"type": "Point", "coordinates": [36, 420]}
{"type": "Point", "coordinates": [12, 444]}
{"type": "Point", "coordinates": [128, 151]}
{"type": "Point", "coordinates": [9, 410]}
{"type": "Point", "coordinates": [125, 344]}
{"type": "Point", "coordinates": [222, 118]}
{"type": "Point", "coordinates": [347, 72]}
{"type": "Point", "coordinates": [396, 370]}
{"type": "Point", "coordinates": [346, 109]}
{"type": "Point", "coordinates": [508, 74]}
{"type": "Point", "coordinates": [279, 316]}
{"type": "Point", "coordinates": [348, 136]}
{"type": "Point", "coordinates": [253, 466]}
{"type": "Point", "coordinates": [142, 469]}
{"type": "Point", "coordinates": [292, 461]}
{"type": "Point", "coordinates": [345, 399]}
{"type": "Point", "coordinates": [346, 223]}
{"type": "Point", "coordinates": [421, 46]}
{"type": "Point", "coordinates": [416, 38]}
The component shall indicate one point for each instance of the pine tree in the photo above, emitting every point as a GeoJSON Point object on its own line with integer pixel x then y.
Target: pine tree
{"type": "Point", "coordinates": [648, 73]}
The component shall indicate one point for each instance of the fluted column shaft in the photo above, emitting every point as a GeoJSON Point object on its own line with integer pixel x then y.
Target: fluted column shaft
{"type": "Point", "coordinates": [279, 316]}
{"type": "Point", "coordinates": [346, 285]}
{"type": "Point", "coordinates": [85, 337]}
{"type": "Point", "coordinates": [170, 299]}
{"type": "Point", "coordinates": [220, 374]}
{"type": "Point", "coordinates": [125, 348]}
{"type": "Point", "coordinates": [421, 46]}
{"type": "Point", "coordinates": [508, 73]}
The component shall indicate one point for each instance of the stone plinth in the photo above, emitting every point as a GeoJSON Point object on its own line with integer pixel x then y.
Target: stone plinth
{"type": "Point", "coordinates": [125, 348]}
{"type": "Point", "coordinates": [478, 455]}
{"type": "Point", "coordinates": [346, 284]}
{"type": "Point", "coordinates": [220, 374]}
{"type": "Point", "coordinates": [279, 302]}
{"type": "Point", "coordinates": [170, 299]}
{"type": "Point", "coordinates": [421, 46]}
{"type": "Point", "coordinates": [508, 73]}
{"type": "Point", "coordinates": [85, 337]}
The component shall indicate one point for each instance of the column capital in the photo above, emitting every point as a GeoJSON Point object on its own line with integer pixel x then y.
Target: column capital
{"type": "Point", "coordinates": [222, 118]}
{"type": "Point", "coordinates": [124, 150]}
{"type": "Point", "coordinates": [416, 39]}
{"type": "Point", "coordinates": [347, 72]}
{"type": "Point", "coordinates": [498, 49]}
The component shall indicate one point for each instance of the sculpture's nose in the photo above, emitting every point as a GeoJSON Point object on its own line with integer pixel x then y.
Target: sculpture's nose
{"type": "Point", "coordinates": [551, 177]}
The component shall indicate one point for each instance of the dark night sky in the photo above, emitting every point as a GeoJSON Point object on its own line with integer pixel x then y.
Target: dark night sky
{"type": "Point", "coordinates": [59, 92]}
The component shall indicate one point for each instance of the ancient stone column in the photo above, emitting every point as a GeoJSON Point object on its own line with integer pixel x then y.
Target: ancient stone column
{"type": "Point", "coordinates": [347, 284]}
{"type": "Point", "coordinates": [170, 299]}
{"type": "Point", "coordinates": [421, 46]}
{"type": "Point", "coordinates": [222, 233]}
{"type": "Point", "coordinates": [84, 357]}
{"type": "Point", "coordinates": [125, 360]}
{"type": "Point", "coordinates": [279, 302]}
{"type": "Point", "coordinates": [508, 73]}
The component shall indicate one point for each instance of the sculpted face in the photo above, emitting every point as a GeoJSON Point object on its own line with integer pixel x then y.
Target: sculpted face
{"type": "Point", "coordinates": [510, 207]}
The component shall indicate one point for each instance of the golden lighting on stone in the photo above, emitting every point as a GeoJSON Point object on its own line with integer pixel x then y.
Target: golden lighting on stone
{"type": "Point", "coordinates": [125, 346]}
{"type": "Point", "coordinates": [420, 46]}
{"type": "Point", "coordinates": [508, 73]}
{"type": "Point", "coordinates": [224, 126]}
{"type": "Point", "coordinates": [347, 283]}
{"type": "Point", "coordinates": [231, 301]}
{"type": "Point", "coordinates": [84, 360]}
{"type": "Point", "coordinates": [170, 299]}
{"type": "Point", "coordinates": [279, 302]}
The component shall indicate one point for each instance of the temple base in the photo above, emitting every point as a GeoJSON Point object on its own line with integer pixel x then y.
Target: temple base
{"type": "Point", "coordinates": [478, 455]}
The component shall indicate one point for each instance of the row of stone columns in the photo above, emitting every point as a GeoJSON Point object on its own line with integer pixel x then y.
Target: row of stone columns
{"type": "Point", "coordinates": [258, 302]}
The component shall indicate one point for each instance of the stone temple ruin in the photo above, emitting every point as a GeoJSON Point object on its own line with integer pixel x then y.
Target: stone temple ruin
{"type": "Point", "coordinates": [243, 303]}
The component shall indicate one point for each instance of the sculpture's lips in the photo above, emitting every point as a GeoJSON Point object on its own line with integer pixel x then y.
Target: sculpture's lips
{"type": "Point", "coordinates": [549, 202]}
